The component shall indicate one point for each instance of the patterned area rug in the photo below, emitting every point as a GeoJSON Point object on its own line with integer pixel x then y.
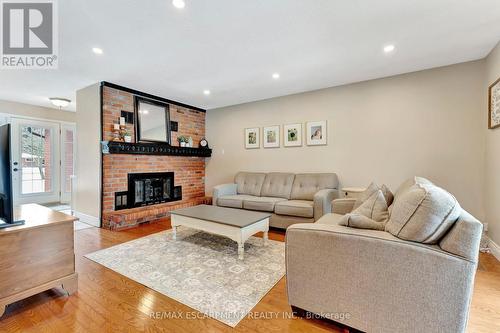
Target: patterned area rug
{"type": "Point", "coordinates": [200, 270]}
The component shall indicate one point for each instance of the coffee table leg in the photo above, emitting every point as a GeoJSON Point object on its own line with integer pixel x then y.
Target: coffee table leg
{"type": "Point", "coordinates": [241, 250]}
{"type": "Point", "coordinates": [174, 236]}
{"type": "Point", "coordinates": [266, 237]}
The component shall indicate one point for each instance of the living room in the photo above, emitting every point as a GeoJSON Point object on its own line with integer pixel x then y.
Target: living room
{"type": "Point", "coordinates": [332, 168]}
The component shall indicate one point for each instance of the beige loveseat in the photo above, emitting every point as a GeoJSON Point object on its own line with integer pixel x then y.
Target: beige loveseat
{"type": "Point", "coordinates": [374, 281]}
{"type": "Point", "coordinates": [291, 198]}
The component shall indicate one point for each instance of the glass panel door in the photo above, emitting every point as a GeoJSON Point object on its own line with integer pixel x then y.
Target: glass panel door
{"type": "Point", "coordinates": [68, 145]}
{"type": "Point", "coordinates": [35, 154]}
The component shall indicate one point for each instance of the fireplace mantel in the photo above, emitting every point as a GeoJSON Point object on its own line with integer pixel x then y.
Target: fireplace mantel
{"type": "Point", "coordinates": [154, 149]}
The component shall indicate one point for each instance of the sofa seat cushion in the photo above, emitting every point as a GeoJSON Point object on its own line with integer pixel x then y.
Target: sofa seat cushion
{"type": "Point", "coordinates": [264, 204]}
{"type": "Point", "coordinates": [233, 201]}
{"type": "Point", "coordinates": [302, 208]}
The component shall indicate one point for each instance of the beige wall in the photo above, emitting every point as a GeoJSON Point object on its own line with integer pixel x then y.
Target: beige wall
{"type": "Point", "coordinates": [492, 168]}
{"type": "Point", "coordinates": [88, 172]}
{"type": "Point", "coordinates": [27, 110]}
{"type": "Point", "coordinates": [427, 123]}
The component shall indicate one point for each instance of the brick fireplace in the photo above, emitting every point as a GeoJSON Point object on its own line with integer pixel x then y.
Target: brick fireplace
{"type": "Point", "coordinates": [187, 172]}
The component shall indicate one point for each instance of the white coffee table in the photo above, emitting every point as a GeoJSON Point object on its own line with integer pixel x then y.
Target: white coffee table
{"type": "Point", "coordinates": [236, 224]}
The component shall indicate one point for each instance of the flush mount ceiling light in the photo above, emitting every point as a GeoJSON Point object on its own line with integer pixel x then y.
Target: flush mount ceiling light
{"type": "Point", "coordinates": [389, 48]}
{"type": "Point", "coordinates": [276, 76]}
{"type": "Point", "coordinates": [206, 92]}
{"type": "Point", "coordinates": [179, 4]}
{"type": "Point", "coordinates": [97, 50]}
{"type": "Point", "coordinates": [60, 102]}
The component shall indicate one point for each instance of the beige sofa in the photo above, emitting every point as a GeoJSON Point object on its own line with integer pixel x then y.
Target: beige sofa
{"type": "Point", "coordinates": [291, 198]}
{"type": "Point", "coordinates": [373, 281]}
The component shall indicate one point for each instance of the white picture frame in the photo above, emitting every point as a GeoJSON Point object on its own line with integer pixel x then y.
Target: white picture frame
{"type": "Point", "coordinates": [252, 138]}
{"type": "Point", "coordinates": [271, 136]}
{"type": "Point", "coordinates": [292, 135]}
{"type": "Point", "coordinates": [316, 133]}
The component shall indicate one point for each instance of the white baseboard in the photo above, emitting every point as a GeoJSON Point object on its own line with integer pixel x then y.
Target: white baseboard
{"type": "Point", "coordinates": [495, 249]}
{"type": "Point", "coordinates": [89, 219]}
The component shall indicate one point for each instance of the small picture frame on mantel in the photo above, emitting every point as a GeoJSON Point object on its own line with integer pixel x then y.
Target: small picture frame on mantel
{"type": "Point", "coordinates": [494, 105]}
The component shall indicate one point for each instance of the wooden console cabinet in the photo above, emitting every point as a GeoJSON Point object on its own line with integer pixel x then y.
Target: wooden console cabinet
{"type": "Point", "coordinates": [38, 255]}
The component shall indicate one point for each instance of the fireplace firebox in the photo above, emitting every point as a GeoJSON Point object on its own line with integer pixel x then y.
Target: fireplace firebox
{"type": "Point", "coordinates": [146, 189]}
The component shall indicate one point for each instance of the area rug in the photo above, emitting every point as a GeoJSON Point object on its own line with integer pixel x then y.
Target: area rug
{"type": "Point", "coordinates": [200, 270]}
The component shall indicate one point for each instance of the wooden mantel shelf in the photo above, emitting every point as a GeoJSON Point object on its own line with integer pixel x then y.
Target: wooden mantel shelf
{"type": "Point", "coordinates": [154, 149]}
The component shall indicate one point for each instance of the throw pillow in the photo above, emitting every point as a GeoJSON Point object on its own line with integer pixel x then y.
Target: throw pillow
{"type": "Point", "coordinates": [423, 213]}
{"type": "Point", "coordinates": [371, 214]}
{"type": "Point", "coordinates": [375, 207]}
{"type": "Point", "coordinates": [360, 222]}
{"type": "Point", "coordinates": [372, 188]}
{"type": "Point", "coordinates": [389, 197]}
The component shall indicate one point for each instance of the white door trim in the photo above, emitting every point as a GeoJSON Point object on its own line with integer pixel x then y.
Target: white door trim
{"type": "Point", "coordinates": [44, 197]}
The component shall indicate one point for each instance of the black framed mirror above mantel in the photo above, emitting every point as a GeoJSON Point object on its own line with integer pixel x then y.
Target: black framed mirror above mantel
{"type": "Point", "coordinates": [152, 121]}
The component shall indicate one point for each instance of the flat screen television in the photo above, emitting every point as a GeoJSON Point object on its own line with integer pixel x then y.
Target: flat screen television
{"type": "Point", "coordinates": [6, 203]}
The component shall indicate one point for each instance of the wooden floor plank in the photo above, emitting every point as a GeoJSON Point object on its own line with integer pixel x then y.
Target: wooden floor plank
{"type": "Point", "coordinates": [109, 302]}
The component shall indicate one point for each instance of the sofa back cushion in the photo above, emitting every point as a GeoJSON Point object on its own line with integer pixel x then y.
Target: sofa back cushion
{"type": "Point", "coordinates": [305, 185]}
{"type": "Point", "coordinates": [249, 182]}
{"type": "Point", "coordinates": [278, 185]}
{"type": "Point", "coordinates": [422, 212]}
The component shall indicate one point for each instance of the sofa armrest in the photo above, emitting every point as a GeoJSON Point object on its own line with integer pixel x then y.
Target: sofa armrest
{"type": "Point", "coordinates": [323, 202]}
{"type": "Point", "coordinates": [367, 274]}
{"type": "Point", "coordinates": [222, 190]}
{"type": "Point", "coordinates": [343, 206]}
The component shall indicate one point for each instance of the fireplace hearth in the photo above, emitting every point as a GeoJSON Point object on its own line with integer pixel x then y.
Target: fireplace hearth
{"type": "Point", "coordinates": [146, 189]}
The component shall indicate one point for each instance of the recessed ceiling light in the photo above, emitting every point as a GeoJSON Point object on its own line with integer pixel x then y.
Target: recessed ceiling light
{"type": "Point", "coordinates": [389, 48]}
{"type": "Point", "coordinates": [206, 92]}
{"type": "Point", "coordinates": [179, 4]}
{"type": "Point", "coordinates": [60, 102]}
{"type": "Point", "coordinates": [276, 76]}
{"type": "Point", "coordinates": [97, 50]}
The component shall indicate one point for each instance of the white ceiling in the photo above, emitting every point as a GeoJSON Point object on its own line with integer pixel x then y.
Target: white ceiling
{"type": "Point", "coordinates": [232, 47]}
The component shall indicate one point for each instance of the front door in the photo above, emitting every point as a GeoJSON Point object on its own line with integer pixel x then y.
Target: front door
{"type": "Point", "coordinates": [36, 161]}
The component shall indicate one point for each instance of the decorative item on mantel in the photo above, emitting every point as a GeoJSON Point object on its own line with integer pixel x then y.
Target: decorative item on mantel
{"type": "Point", "coordinates": [182, 140]}
{"type": "Point", "coordinates": [120, 132]}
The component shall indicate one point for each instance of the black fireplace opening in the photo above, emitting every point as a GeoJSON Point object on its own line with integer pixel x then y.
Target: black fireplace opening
{"type": "Point", "coordinates": [146, 189]}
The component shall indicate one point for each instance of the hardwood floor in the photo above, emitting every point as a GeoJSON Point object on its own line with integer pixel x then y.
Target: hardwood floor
{"type": "Point", "coordinates": [109, 302]}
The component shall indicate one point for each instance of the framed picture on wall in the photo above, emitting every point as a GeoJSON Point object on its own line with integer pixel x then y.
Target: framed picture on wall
{"type": "Point", "coordinates": [292, 135]}
{"type": "Point", "coordinates": [494, 105]}
{"type": "Point", "coordinates": [271, 137]}
{"type": "Point", "coordinates": [316, 133]}
{"type": "Point", "coordinates": [252, 138]}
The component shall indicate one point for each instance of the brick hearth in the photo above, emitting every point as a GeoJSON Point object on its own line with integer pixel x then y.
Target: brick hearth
{"type": "Point", "coordinates": [189, 171]}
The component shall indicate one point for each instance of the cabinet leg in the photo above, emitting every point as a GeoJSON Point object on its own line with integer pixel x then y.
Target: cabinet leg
{"type": "Point", "coordinates": [70, 285]}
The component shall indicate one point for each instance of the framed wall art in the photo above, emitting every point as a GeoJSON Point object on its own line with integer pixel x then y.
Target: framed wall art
{"type": "Point", "coordinates": [494, 105]}
{"type": "Point", "coordinates": [271, 137]}
{"type": "Point", "coordinates": [252, 138]}
{"type": "Point", "coordinates": [292, 135]}
{"type": "Point", "coordinates": [316, 133]}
